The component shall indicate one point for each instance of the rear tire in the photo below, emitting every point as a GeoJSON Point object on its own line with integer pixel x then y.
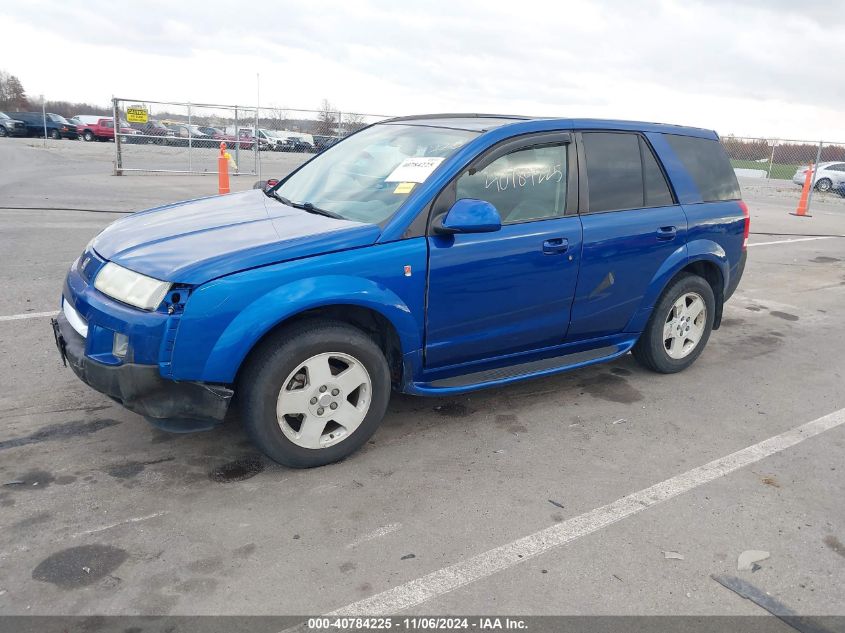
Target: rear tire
{"type": "Point", "coordinates": [286, 380]}
{"type": "Point", "coordinates": [679, 326]}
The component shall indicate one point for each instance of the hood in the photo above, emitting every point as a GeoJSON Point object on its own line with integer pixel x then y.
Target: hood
{"type": "Point", "coordinates": [195, 241]}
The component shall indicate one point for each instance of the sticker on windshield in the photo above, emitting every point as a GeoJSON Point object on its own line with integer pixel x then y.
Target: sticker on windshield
{"type": "Point", "coordinates": [404, 187]}
{"type": "Point", "coordinates": [414, 169]}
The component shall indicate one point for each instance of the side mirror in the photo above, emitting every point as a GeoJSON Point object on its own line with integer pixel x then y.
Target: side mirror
{"type": "Point", "coordinates": [469, 216]}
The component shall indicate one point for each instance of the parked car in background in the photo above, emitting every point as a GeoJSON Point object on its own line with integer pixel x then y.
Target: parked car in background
{"type": "Point", "coordinates": [191, 135]}
{"type": "Point", "coordinates": [217, 134]}
{"type": "Point", "coordinates": [269, 140]}
{"type": "Point", "coordinates": [322, 142]}
{"type": "Point", "coordinates": [102, 129]}
{"type": "Point", "coordinates": [295, 142]}
{"type": "Point", "coordinates": [57, 126]}
{"type": "Point", "coordinates": [297, 145]}
{"type": "Point", "coordinates": [430, 255]}
{"type": "Point", "coordinates": [154, 132]}
{"type": "Point", "coordinates": [247, 138]}
{"type": "Point", "coordinates": [10, 126]}
{"type": "Point", "coordinates": [829, 176]}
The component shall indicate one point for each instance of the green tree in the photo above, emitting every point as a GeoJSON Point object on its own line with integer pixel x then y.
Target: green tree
{"type": "Point", "coordinates": [12, 94]}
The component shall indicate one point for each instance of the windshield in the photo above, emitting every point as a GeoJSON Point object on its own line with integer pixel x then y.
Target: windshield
{"type": "Point", "coordinates": [3, 115]}
{"type": "Point", "coordinates": [368, 175]}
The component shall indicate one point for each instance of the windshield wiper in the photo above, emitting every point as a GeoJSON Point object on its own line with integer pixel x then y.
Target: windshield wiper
{"type": "Point", "coordinates": [305, 206]}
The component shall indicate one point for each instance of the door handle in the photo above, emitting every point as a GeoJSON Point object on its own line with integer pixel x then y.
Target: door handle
{"type": "Point", "coordinates": [667, 232]}
{"type": "Point", "coordinates": [555, 245]}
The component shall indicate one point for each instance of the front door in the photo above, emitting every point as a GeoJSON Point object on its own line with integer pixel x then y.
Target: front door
{"type": "Point", "coordinates": [510, 291]}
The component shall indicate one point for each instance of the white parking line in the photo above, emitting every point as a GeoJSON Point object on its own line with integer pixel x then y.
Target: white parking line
{"type": "Point", "coordinates": [27, 315]}
{"type": "Point", "coordinates": [800, 239]}
{"type": "Point", "coordinates": [444, 580]}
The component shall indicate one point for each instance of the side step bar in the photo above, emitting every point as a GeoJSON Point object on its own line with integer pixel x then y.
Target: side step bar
{"type": "Point", "coordinates": [513, 373]}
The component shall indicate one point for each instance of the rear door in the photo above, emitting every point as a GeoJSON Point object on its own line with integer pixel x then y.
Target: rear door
{"type": "Point", "coordinates": [632, 224]}
{"type": "Point", "coordinates": [507, 292]}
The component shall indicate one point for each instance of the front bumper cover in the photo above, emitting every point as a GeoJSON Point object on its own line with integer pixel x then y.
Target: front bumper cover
{"type": "Point", "coordinates": [140, 388]}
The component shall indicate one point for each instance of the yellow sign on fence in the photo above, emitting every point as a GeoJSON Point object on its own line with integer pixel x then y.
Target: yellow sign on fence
{"type": "Point", "coordinates": [136, 114]}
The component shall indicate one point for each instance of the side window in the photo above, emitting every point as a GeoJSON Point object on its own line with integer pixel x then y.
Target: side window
{"type": "Point", "coordinates": [708, 164]}
{"type": "Point", "coordinates": [657, 192]}
{"type": "Point", "coordinates": [614, 171]}
{"type": "Point", "coordinates": [108, 124]}
{"type": "Point", "coordinates": [528, 184]}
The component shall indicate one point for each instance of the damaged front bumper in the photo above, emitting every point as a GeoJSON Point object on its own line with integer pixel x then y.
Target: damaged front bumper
{"type": "Point", "coordinates": [168, 404]}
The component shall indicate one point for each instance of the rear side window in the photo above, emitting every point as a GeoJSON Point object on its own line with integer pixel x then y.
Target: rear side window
{"type": "Point", "coordinates": [708, 165]}
{"type": "Point", "coordinates": [657, 192]}
{"type": "Point", "coordinates": [622, 173]}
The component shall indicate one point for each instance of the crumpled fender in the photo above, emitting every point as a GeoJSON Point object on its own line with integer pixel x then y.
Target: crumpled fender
{"type": "Point", "coordinates": [284, 302]}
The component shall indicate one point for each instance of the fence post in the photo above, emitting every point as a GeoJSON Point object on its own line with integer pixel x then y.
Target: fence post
{"type": "Point", "coordinates": [771, 159]}
{"type": "Point", "coordinates": [237, 143]}
{"type": "Point", "coordinates": [257, 167]}
{"type": "Point", "coordinates": [190, 138]}
{"type": "Point", "coordinates": [257, 150]}
{"type": "Point", "coordinates": [814, 176]}
{"type": "Point", "coordinates": [118, 158]}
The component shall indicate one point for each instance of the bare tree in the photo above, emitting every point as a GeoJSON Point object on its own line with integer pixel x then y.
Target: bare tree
{"type": "Point", "coordinates": [326, 119]}
{"type": "Point", "coordinates": [12, 94]}
{"type": "Point", "coordinates": [352, 123]}
{"type": "Point", "coordinates": [278, 118]}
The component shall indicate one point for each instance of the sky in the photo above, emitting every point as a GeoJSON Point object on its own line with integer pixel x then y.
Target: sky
{"type": "Point", "coordinates": [767, 68]}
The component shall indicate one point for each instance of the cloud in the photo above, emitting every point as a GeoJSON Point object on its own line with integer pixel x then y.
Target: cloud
{"type": "Point", "coordinates": [741, 67]}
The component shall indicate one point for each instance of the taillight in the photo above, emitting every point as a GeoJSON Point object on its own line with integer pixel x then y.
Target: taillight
{"type": "Point", "coordinates": [747, 215]}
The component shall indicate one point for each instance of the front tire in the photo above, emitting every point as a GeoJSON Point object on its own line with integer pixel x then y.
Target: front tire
{"type": "Point", "coordinates": [314, 393]}
{"type": "Point", "coordinates": [824, 184]}
{"type": "Point", "coordinates": [679, 327]}
{"type": "Point", "coordinates": [55, 135]}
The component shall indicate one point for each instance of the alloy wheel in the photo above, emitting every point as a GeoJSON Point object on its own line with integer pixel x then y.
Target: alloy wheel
{"type": "Point", "coordinates": [684, 325]}
{"type": "Point", "coordinates": [324, 400]}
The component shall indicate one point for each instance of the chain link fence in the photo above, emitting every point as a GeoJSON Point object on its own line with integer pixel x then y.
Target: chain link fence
{"type": "Point", "coordinates": [787, 160]}
{"type": "Point", "coordinates": [184, 138]}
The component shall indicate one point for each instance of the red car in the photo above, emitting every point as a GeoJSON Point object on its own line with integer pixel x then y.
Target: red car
{"type": "Point", "coordinates": [103, 130]}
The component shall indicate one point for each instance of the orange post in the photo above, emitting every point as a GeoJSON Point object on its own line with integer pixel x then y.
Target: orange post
{"type": "Point", "coordinates": [223, 170]}
{"type": "Point", "coordinates": [801, 211]}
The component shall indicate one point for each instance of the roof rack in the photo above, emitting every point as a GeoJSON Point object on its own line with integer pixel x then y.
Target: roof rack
{"type": "Point", "coordinates": [458, 115]}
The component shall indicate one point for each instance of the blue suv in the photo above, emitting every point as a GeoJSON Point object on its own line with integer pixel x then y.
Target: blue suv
{"type": "Point", "coordinates": [431, 255]}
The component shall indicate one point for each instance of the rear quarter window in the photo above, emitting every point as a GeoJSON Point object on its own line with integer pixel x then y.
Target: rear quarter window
{"type": "Point", "coordinates": [708, 165]}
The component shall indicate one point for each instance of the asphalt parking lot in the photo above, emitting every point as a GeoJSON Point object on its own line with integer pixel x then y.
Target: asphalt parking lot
{"type": "Point", "coordinates": [100, 513]}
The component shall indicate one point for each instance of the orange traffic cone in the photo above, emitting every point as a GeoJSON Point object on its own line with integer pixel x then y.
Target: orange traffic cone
{"type": "Point", "coordinates": [801, 211]}
{"type": "Point", "coordinates": [223, 170]}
